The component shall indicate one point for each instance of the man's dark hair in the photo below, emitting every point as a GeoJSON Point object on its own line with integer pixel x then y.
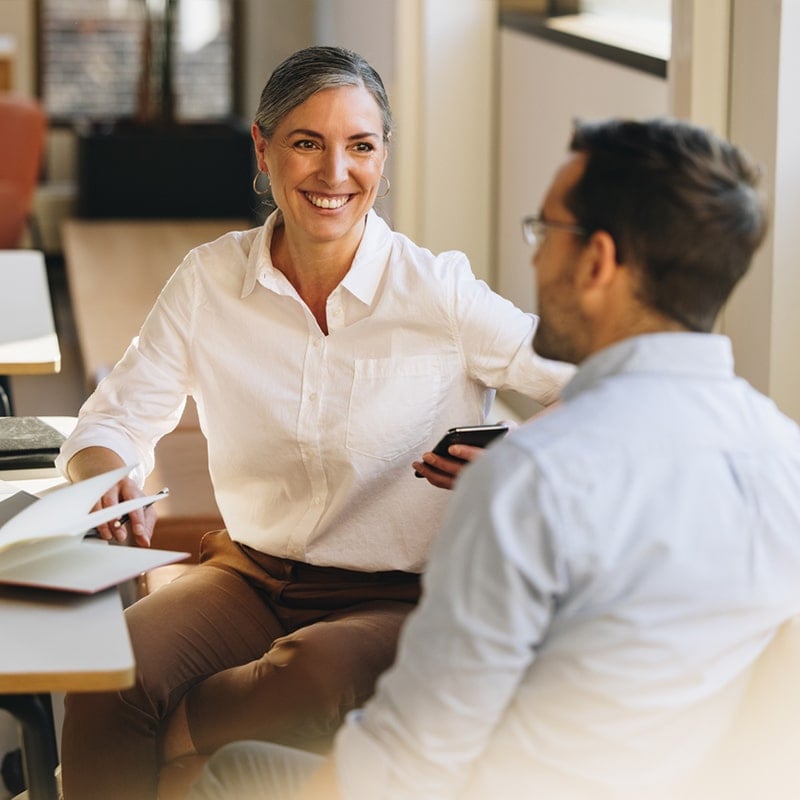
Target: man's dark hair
{"type": "Point", "coordinates": [681, 205]}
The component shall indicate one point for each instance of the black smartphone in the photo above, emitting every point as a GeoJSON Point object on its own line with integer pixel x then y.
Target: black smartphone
{"type": "Point", "coordinates": [475, 435]}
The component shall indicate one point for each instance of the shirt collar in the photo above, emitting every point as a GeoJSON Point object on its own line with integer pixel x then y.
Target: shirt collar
{"type": "Point", "coordinates": [259, 261]}
{"type": "Point", "coordinates": [362, 279]}
{"type": "Point", "coordinates": [371, 258]}
{"type": "Point", "coordinates": [680, 354]}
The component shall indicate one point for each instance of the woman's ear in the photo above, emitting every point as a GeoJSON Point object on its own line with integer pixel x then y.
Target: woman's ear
{"type": "Point", "coordinates": [260, 146]}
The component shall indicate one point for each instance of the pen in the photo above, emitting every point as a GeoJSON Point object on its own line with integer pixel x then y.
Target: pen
{"type": "Point", "coordinates": [126, 517]}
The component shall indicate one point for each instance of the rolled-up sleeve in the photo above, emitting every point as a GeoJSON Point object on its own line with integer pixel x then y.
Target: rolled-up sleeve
{"type": "Point", "coordinates": [143, 397]}
{"type": "Point", "coordinates": [496, 339]}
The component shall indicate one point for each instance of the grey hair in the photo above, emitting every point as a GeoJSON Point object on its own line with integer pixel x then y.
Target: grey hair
{"type": "Point", "coordinates": [311, 70]}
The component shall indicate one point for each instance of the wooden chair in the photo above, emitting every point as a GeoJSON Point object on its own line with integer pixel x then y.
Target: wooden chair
{"type": "Point", "coordinates": [23, 126]}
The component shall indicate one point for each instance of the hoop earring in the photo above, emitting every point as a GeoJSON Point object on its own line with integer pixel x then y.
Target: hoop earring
{"type": "Point", "coordinates": [256, 190]}
{"type": "Point", "coordinates": [388, 188]}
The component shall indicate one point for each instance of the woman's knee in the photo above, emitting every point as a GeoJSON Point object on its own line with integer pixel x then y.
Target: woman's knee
{"type": "Point", "coordinates": [318, 696]}
{"type": "Point", "coordinates": [327, 669]}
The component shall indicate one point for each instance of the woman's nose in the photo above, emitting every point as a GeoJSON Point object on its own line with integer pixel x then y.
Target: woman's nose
{"type": "Point", "coordinates": [333, 169]}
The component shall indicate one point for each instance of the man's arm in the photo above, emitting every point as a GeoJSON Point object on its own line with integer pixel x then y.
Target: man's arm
{"type": "Point", "coordinates": [464, 651]}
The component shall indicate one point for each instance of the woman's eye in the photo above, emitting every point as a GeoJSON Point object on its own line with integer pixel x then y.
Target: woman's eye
{"type": "Point", "coordinates": [304, 144]}
{"type": "Point", "coordinates": [364, 147]}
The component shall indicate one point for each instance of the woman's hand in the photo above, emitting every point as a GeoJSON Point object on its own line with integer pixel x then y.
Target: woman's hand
{"type": "Point", "coordinates": [442, 472]}
{"type": "Point", "coordinates": [140, 521]}
{"type": "Point", "coordinates": [93, 461]}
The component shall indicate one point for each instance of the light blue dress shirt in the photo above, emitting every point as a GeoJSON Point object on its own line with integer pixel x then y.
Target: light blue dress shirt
{"type": "Point", "coordinates": [604, 580]}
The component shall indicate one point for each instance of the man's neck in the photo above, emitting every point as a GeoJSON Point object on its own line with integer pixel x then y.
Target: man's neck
{"type": "Point", "coordinates": [638, 323]}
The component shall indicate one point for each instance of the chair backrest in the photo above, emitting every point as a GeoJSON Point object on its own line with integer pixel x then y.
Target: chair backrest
{"type": "Point", "coordinates": [23, 126]}
{"type": "Point", "coordinates": [760, 755]}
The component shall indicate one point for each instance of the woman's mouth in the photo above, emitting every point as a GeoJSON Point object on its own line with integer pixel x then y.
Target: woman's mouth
{"type": "Point", "coordinates": [323, 201]}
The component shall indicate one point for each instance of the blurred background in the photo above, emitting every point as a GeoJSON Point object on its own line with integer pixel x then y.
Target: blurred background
{"type": "Point", "coordinates": [484, 93]}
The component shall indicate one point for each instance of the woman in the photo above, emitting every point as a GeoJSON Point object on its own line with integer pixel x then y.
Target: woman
{"type": "Point", "coordinates": [323, 351]}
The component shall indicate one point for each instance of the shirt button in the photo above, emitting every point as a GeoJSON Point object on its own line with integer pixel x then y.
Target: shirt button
{"type": "Point", "coordinates": [313, 397]}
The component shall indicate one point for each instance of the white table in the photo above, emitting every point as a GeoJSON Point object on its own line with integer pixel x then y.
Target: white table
{"type": "Point", "coordinates": [28, 341]}
{"type": "Point", "coordinates": [56, 642]}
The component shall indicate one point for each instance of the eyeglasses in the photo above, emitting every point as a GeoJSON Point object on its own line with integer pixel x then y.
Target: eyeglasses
{"type": "Point", "coordinates": [534, 229]}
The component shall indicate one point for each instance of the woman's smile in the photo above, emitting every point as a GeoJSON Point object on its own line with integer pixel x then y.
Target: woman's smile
{"type": "Point", "coordinates": [327, 201]}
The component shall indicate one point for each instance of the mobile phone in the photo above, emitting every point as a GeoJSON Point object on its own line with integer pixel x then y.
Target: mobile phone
{"type": "Point", "coordinates": [474, 435]}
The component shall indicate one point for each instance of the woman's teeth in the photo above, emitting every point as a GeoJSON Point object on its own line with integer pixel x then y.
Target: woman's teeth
{"type": "Point", "coordinates": [327, 202]}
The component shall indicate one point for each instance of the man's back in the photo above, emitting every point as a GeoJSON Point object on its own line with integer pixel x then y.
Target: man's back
{"type": "Point", "coordinates": [656, 516]}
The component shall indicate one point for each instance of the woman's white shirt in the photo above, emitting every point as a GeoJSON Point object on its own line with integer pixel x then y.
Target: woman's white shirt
{"type": "Point", "coordinates": [311, 437]}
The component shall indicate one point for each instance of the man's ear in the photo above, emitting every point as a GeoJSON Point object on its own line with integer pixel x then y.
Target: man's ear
{"type": "Point", "coordinates": [598, 270]}
{"type": "Point", "coordinates": [599, 261]}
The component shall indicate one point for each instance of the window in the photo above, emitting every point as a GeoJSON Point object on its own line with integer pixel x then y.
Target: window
{"type": "Point", "coordinates": [93, 55]}
{"type": "Point", "coordinates": [638, 25]}
{"type": "Point", "coordinates": [632, 32]}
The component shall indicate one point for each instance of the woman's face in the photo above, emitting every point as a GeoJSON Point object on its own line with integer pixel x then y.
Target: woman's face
{"type": "Point", "coordinates": [324, 162]}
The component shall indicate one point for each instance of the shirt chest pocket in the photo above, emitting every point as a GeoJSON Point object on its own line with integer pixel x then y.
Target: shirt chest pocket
{"type": "Point", "coordinates": [393, 404]}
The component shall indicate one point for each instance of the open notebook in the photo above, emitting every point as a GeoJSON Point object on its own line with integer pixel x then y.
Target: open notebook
{"type": "Point", "coordinates": [42, 540]}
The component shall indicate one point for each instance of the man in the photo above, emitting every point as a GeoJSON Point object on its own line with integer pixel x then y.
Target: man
{"type": "Point", "coordinates": [607, 575]}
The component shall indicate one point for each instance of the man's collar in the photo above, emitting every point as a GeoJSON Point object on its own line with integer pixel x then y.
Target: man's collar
{"type": "Point", "coordinates": [701, 354]}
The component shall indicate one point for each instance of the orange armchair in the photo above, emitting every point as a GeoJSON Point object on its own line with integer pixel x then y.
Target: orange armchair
{"type": "Point", "coordinates": [23, 125]}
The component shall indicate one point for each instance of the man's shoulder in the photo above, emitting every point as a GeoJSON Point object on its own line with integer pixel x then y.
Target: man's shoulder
{"type": "Point", "coordinates": [622, 422]}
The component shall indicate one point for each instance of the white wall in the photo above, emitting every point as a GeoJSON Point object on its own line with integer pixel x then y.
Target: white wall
{"type": "Point", "coordinates": [367, 28]}
{"type": "Point", "coordinates": [271, 31]}
{"type": "Point", "coordinates": [445, 108]}
{"type": "Point", "coordinates": [543, 88]}
{"type": "Point", "coordinates": [734, 67]}
{"type": "Point", "coordinates": [762, 317]}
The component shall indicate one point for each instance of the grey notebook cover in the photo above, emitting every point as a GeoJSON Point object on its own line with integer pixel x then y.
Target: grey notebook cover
{"type": "Point", "coordinates": [28, 443]}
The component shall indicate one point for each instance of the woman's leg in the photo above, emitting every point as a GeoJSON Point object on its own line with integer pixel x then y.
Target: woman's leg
{"type": "Point", "coordinates": [255, 771]}
{"type": "Point", "coordinates": [204, 622]}
{"type": "Point", "coordinates": [298, 693]}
